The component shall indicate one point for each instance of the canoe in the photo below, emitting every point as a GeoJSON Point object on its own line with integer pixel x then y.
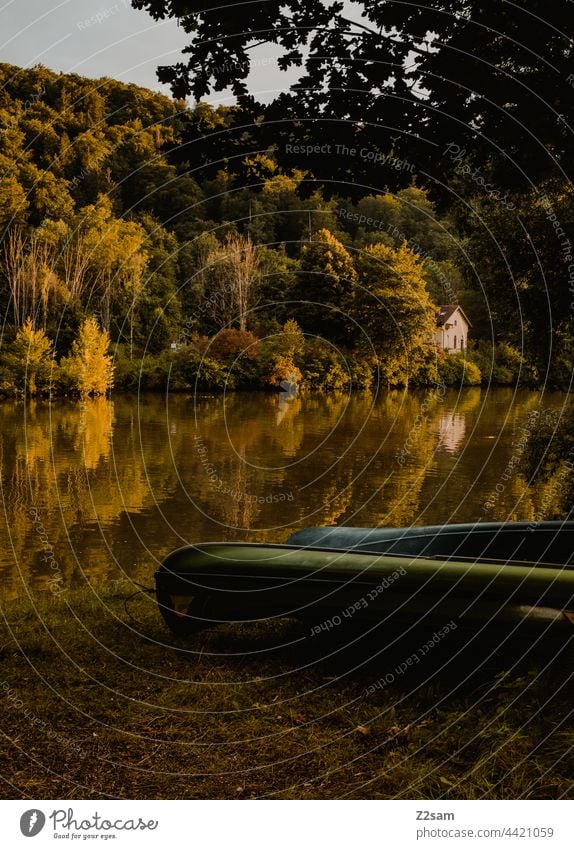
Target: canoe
{"type": "Point", "coordinates": [544, 542]}
{"type": "Point", "coordinates": [492, 573]}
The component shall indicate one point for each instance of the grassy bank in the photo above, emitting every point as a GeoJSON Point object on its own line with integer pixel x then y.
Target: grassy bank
{"type": "Point", "coordinates": [97, 705]}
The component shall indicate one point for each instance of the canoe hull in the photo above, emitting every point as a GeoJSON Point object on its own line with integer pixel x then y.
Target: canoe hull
{"type": "Point", "coordinates": [534, 542]}
{"type": "Point", "coordinates": [203, 585]}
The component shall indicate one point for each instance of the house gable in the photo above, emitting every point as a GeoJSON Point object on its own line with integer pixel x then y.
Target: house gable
{"type": "Point", "coordinates": [446, 315]}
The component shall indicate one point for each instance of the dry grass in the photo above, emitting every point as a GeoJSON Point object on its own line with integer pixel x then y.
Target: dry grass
{"type": "Point", "coordinates": [96, 706]}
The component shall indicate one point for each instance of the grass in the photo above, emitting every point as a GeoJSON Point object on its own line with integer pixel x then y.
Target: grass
{"type": "Point", "coordinates": [97, 705]}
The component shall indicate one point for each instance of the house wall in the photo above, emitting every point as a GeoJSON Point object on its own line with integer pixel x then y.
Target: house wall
{"type": "Point", "coordinates": [445, 336]}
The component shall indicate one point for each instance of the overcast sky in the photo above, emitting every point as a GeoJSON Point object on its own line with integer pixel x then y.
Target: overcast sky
{"type": "Point", "coordinates": [104, 38]}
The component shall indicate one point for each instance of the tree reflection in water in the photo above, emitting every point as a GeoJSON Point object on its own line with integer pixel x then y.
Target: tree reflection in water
{"type": "Point", "coordinates": [117, 484]}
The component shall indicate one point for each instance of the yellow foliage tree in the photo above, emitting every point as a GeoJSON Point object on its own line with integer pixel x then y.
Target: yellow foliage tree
{"type": "Point", "coordinates": [282, 349]}
{"type": "Point", "coordinates": [393, 309]}
{"type": "Point", "coordinates": [324, 286]}
{"type": "Point", "coordinates": [89, 368]}
{"type": "Point", "coordinates": [30, 359]}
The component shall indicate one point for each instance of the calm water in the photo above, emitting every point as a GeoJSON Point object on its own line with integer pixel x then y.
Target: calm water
{"type": "Point", "coordinates": [104, 489]}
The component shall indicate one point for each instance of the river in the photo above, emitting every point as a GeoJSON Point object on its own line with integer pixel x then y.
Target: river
{"type": "Point", "coordinates": [104, 489]}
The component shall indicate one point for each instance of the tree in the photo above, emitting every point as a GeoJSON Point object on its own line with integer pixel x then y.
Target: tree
{"type": "Point", "coordinates": [324, 287]}
{"type": "Point", "coordinates": [30, 360]}
{"type": "Point", "coordinates": [89, 368]}
{"type": "Point", "coordinates": [194, 271]}
{"type": "Point", "coordinates": [407, 214]}
{"type": "Point", "coordinates": [549, 461]}
{"type": "Point", "coordinates": [410, 215]}
{"type": "Point", "coordinates": [158, 309]}
{"type": "Point", "coordinates": [338, 83]}
{"type": "Point", "coordinates": [280, 351]}
{"type": "Point", "coordinates": [393, 310]}
{"type": "Point", "coordinates": [478, 77]}
{"type": "Point", "coordinates": [234, 270]}
{"type": "Point", "coordinates": [243, 270]}
{"type": "Point", "coordinates": [522, 270]}
{"type": "Point", "coordinates": [278, 276]}
{"type": "Point", "coordinates": [13, 202]}
{"type": "Point", "coordinates": [503, 98]}
{"type": "Point", "coordinates": [29, 268]}
{"type": "Point", "coordinates": [105, 262]}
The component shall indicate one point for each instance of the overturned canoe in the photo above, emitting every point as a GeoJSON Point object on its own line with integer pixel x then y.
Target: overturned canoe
{"type": "Point", "coordinates": [436, 572]}
{"type": "Point", "coordinates": [513, 542]}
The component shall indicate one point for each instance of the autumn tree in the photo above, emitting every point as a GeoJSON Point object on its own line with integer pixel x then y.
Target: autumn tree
{"type": "Point", "coordinates": [13, 202]}
{"type": "Point", "coordinates": [29, 361]}
{"type": "Point", "coordinates": [233, 271]}
{"type": "Point", "coordinates": [243, 272]}
{"type": "Point", "coordinates": [282, 350]}
{"type": "Point", "coordinates": [29, 266]}
{"type": "Point", "coordinates": [89, 367]}
{"type": "Point", "coordinates": [324, 287]}
{"type": "Point", "coordinates": [104, 261]}
{"type": "Point", "coordinates": [393, 310]}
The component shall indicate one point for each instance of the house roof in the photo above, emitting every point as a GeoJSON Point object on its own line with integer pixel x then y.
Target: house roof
{"type": "Point", "coordinates": [445, 312]}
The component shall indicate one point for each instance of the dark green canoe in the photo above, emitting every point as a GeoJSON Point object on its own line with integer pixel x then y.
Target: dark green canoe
{"type": "Point", "coordinates": [485, 573]}
{"type": "Point", "coordinates": [544, 542]}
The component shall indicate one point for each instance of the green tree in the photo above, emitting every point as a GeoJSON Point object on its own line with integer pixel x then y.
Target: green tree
{"type": "Point", "coordinates": [549, 461]}
{"type": "Point", "coordinates": [278, 276]}
{"type": "Point", "coordinates": [410, 215]}
{"type": "Point", "coordinates": [89, 368]}
{"type": "Point", "coordinates": [523, 273]}
{"type": "Point", "coordinates": [158, 307]}
{"type": "Point", "coordinates": [457, 370]}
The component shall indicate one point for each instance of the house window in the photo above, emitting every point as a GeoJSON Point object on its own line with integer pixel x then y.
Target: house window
{"type": "Point", "coordinates": [454, 322]}
{"type": "Point", "coordinates": [462, 343]}
{"type": "Point", "coordinates": [454, 343]}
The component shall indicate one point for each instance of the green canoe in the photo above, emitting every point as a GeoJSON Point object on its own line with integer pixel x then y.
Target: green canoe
{"type": "Point", "coordinates": [495, 573]}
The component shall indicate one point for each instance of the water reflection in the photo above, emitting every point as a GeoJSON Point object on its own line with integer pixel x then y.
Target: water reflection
{"type": "Point", "coordinates": [451, 432]}
{"type": "Point", "coordinates": [116, 485]}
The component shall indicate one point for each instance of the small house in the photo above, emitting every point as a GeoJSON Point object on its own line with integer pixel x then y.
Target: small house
{"type": "Point", "coordinates": [452, 329]}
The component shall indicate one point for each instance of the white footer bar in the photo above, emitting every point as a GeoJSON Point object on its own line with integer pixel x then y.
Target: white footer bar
{"type": "Point", "coordinates": [289, 824]}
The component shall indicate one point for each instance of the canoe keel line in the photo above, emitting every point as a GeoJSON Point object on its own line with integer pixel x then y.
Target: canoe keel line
{"type": "Point", "coordinates": [477, 574]}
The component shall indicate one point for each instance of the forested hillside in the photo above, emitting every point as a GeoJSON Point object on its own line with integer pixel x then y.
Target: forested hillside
{"type": "Point", "coordinates": [132, 250]}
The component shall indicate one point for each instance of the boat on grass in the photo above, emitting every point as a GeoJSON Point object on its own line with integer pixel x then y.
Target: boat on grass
{"type": "Point", "coordinates": [476, 574]}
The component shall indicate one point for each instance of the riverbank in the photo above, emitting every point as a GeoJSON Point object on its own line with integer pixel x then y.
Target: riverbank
{"type": "Point", "coordinates": [286, 360]}
{"type": "Point", "coordinates": [101, 702]}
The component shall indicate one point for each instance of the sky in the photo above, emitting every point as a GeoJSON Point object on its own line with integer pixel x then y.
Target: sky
{"type": "Point", "coordinates": [106, 38]}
